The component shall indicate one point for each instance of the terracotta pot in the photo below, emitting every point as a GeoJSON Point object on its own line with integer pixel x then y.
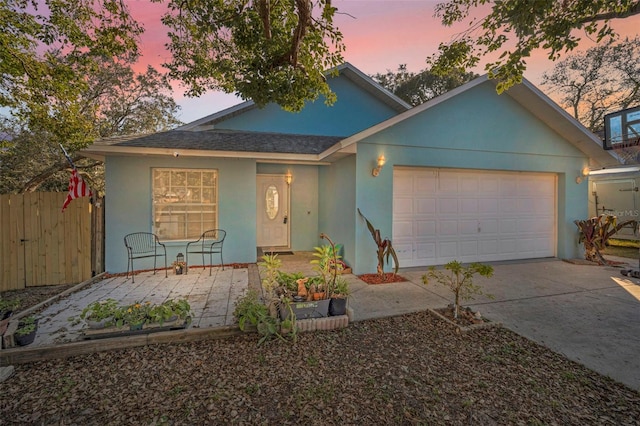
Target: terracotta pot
{"type": "Point", "coordinates": [318, 296]}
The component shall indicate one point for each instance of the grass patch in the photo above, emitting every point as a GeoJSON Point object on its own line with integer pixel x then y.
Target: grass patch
{"type": "Point", "coordinates": [622, 248]}
{"type": "Point", "coordinates": [624, 243]}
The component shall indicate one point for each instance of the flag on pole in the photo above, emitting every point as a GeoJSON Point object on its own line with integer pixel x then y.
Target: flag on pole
{"type": "Point", "coordinates": [77, 188]}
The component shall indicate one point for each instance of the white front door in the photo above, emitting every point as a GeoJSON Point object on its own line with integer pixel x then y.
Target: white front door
{"type": "Point", "coordinates": [273, 211]}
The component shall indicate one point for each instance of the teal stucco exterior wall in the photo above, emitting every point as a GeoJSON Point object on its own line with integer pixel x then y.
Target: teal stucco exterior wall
{"type": "Point", "coordinates": [129, 207]}
{"type": "Point", "coordinates": [355, 110]}
{"type": "Point", "coordinates": [337, 198]}
{"type": "Point", "coordinates": [477, 129]}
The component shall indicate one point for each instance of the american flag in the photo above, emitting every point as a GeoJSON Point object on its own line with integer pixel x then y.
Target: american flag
{"type": "Point", "coordinates": [77, 188]}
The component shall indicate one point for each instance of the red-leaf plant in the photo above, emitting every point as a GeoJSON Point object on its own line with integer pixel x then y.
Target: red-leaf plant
{"type": "Point", "coordinates": [385, 249]}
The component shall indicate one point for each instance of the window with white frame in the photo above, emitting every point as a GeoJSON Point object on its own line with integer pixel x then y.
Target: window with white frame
{"type": "Point", "coordinates": [185, 202]}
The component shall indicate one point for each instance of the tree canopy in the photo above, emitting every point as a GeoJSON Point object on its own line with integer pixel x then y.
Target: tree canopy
{"type": "Point", "coordinates": [67, 78]}
{"type": "Point", "coordinates": [266, 51]}
{"type": "Point", "coordinates": [602, 80]}
{"type": "Point", "coordinates": [517, 27]}
{"type": "Point", "coordinates": [416, 89]}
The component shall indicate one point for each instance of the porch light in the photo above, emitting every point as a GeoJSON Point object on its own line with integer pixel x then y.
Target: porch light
{"type": "Point", "coordinates": [288, 178]}
{"type": "Point", "coordinates": [376, 171]}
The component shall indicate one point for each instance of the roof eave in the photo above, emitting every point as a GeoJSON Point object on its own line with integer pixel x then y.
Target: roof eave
{"type": "Point", "coordinates": [101, 152]}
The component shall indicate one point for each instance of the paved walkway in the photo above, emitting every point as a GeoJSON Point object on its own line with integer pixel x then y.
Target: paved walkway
{"type": "Point", "coordinates": [211, 298]}
{"type": "Point", "coordinates": [589, 313]}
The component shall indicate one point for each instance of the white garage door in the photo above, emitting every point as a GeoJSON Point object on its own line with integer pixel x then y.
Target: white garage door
{"type": "Point", "coordinates": [441, 215]}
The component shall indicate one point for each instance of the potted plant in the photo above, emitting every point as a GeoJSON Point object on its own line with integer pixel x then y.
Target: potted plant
{"type": "Point", "coordinates": [136, 315]}
{"type": "Point", "coordinates": [7, 306]}
{"type": "Point", "coordinates": [26, 332]}
{"type": "Point", "coordinates": [180, 308]}
{"type": "Point", "coordinates": [250, 310]}
{"type": "Point", "coordinates": [101, 313]}
{"type": "Point", "coordinates": [338, 301]}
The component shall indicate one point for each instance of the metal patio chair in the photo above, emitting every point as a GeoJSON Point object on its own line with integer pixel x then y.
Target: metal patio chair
{"type": "Point", "coordinates": [144, 244]}
{"type": "Point", "coordinates": [210, 242]}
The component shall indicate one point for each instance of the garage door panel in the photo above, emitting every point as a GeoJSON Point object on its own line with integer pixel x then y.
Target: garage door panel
{"type": "Point", "coordinates": [508, 226]}
{"type": "Point", "coordinates": [508, 206]}
{"type": "Point", "coordinates": [489, 185]}
{"type": "Point", "coordinates": [488, 247]}
{"type": "Point", "coordinates": [468, 184]}
{"type": "Point", "coordinates": [448, 206]}
{"type": "Point", "coordinates": [469, 248]}
{"type": "Point", "coordinates": [448, 228]}
{"type": "Point", "coordinates": [448, 183]}
{"type": "Point", "coordinates": [488, 206]}
{"type": "Point", "coordinates": [403, 230]}
{"type": "Point", "coordinates": [425, 206]}
{"type": "Point", "coordinates": [468, 206]}
{"type": "Point", "coordinates": [425, 228]}
{"type": "Point", "coordinates": [474, 215]}
{"type": "Point", "coordinates": [468, 227]}
{"type": "Point", "coordinates": [403, 206]}
{"type": "Point", "coordinates": [426, 251]}
{"type": "Point", "coordinates": [425, 182]}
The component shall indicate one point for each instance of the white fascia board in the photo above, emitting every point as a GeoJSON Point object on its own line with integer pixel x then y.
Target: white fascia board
{"type": "Point", "coordinates": [228, 112]}
{"type": "Point", "coordinates": [103, 151]}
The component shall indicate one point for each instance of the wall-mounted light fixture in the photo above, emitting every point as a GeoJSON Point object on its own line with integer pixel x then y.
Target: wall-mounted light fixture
{"type": "Point", "coordinates": [583, 173]}
{"type": "Point", "coordinates": [381, 160]}
{"type": "Point", "coordinates": [288, 178]}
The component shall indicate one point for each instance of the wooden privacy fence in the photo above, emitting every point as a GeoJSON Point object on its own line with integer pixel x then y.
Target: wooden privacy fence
{"type": "Point", "coordinates": [40, 245]}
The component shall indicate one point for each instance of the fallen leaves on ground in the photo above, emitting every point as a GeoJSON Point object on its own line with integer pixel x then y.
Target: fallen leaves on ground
{"type": "Point", "coordinates": [410, 369]}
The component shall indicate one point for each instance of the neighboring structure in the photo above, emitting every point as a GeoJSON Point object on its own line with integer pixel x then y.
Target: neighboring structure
{"type": "Point", "coordinates": [614, 190]}
{"type": "Point", "coordinates": [469, 175]}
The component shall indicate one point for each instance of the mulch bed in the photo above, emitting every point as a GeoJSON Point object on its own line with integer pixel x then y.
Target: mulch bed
{"type": "Point", "coordinates": [387, 278]}
{"type": "Point", "coordinates": [409, 369]}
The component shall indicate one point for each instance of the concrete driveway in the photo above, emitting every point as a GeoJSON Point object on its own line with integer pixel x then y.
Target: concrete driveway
{"type": "Point", "coordinates": [591, 314]}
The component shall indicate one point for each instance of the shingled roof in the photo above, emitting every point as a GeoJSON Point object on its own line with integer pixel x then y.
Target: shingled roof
{"type": "Point", "coordinates": [227, 140]}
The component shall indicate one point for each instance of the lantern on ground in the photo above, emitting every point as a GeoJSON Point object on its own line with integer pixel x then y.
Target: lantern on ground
{"type": "Point", "coordinates": [179, 264]}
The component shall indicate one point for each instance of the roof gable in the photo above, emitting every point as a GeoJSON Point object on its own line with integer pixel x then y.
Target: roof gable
{"type": "Point", "coordinates": [361, 103]}
{"type": "Point", "coordinates": [525, 94]}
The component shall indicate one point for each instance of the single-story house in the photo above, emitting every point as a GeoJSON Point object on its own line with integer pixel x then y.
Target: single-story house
{"type": "Point", "coordinates": [470, 175]}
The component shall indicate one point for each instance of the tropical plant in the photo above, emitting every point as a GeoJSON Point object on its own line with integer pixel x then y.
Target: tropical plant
{"type": "Point", "coordinates": [459, 279]}
{"type": "Point", "coordinates": [596, 231]}
{"type": "Point", "coordinates": [385, 249]}
{"type": "Point", "coordinates": [270, 270]}
{"type": "Point", "coordinates": [326, 264]}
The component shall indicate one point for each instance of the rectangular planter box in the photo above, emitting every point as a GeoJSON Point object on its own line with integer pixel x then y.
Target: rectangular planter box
{"type": "Point", "coordinates": [306, 310]}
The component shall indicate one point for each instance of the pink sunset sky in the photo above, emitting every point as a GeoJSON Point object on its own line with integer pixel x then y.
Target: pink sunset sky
{"type": "Point", "coordinates": [378, 34]}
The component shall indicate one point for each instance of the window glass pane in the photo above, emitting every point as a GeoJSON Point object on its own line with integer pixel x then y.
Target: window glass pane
{"type": "Point", "coordinates": [193, 178]}
{"type": "Point", "coordinates": [184, 202]}
{"type": "Point", "coordinates": [271, 202]}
